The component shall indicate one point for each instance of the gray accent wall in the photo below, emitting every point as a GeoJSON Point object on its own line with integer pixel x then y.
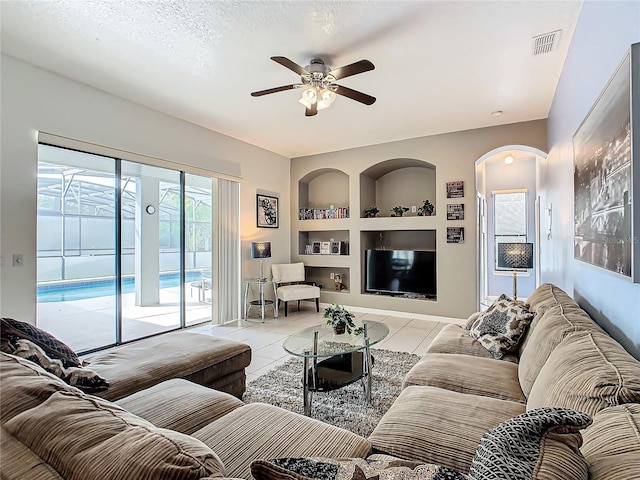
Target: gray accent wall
{"type": "Point", "coordinates": [603, 34]}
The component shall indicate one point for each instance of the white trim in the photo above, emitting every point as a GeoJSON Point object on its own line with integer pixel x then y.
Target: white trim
{"type": "Point", "coordinates": [65, 142]}
{"type": "Point", "coordinates": [508, 148]}
{"type": "Point", "coordinates": [513, 190]}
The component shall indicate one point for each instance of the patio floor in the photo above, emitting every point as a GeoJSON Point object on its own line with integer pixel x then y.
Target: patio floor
{"type": "Point", "coordinates": [90, 323]}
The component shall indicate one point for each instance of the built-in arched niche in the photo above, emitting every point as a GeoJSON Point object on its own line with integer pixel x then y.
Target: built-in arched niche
{"type": "Point", "coordinates": [398, 182]}
{"type": "Point", "coordinates": [324, 188]}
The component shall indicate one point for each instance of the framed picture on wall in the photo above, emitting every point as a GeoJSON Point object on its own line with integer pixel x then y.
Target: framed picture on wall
{"type": "Point", "coordinates": [455, 211]}
{"type": "Point", "coordinates": [455, 234]}
{"type": "Point", "coordinates": [606, 157]}
{"type": "Point", "coordinates": [267, 211]}
{"type": "Point", "coordinates": [455, 189]}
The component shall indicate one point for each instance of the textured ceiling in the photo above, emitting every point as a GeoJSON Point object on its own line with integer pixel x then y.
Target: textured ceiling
{"type": "Point", "coordinates": [441, 66]}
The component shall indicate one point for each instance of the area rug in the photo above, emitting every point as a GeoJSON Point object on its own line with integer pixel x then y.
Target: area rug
{"type": "Point", "coordinates": [344, 407]}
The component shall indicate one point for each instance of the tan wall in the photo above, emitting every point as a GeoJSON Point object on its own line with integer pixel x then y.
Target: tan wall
{"type": "Point", "coordinates": [454, 155]}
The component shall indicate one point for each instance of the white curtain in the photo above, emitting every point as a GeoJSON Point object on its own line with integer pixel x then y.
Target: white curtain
{"type": "Point", "coordinates": [228, 250]}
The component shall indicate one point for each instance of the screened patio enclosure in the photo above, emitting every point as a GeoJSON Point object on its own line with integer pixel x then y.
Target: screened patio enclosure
{"type": "Point", "coordinates": [125, 250]}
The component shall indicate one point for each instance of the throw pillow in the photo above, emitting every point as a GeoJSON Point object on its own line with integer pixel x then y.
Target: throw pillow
{"type": "Point", "coordinates": [86, 380]}
{"type": "Point", "coordinates": [540, 444]}
{"type": "Point", "coordinates": [320, 468]}
{"type": "Point", "coordinates": [10, 328]}
{"type": "Point", "coordinates": [501, 328]}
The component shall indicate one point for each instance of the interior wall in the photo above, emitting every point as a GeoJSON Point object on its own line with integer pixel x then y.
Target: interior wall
{"type": "Point", "coordinates": [499, 176]}
{"type": "Point", "coordinates": [603, 34]}
{"type": "Point", "coordinates": [454, 155]}
{"type": "Point", "coordinates": [36, 100]}
{"type": "Point", "coordinates": [408, 187]}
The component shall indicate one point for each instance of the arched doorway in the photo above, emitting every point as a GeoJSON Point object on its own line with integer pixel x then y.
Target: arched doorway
{"type": "Point", "coordinates": [507, 174]}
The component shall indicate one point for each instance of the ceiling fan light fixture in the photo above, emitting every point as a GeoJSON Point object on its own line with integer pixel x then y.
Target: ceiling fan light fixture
{"type": "Point", "coordinates": [309, 97]}
{"type": "Point", "coordinates": [327, 97]}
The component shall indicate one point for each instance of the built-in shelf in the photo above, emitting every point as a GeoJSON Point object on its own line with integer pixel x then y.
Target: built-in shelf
{"type": "Point", "coordinates": [326, 192]}
{"type": "Point", "coordinates": [396, 182]}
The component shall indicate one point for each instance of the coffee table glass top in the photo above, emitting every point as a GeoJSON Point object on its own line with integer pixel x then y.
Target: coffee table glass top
{"type": "Point", "coordinates": [330, 344]}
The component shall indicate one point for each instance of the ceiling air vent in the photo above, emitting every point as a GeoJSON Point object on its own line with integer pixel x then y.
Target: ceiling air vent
{"type": "Point", "coordinates": [545, 43]}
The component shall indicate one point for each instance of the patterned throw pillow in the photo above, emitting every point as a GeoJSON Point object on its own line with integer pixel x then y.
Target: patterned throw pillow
{"type": "Point", "coordinates": [15, 329]}
{"type": "Point", "coordinates": [86, 380]}
{"type": "Point", "coordinates": [540, 444]}
{"type": "Point", "coordinates": [502, 326]}
{"type": "Point", "coordinates": [320, 468]}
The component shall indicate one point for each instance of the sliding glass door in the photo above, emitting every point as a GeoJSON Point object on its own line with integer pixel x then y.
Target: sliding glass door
{"type": "Point", "coordinates": [125, 250]}
{"type": "Point", "coordinates": [76, 247]}
{"type": "Point", "coordinates": [199, 249]}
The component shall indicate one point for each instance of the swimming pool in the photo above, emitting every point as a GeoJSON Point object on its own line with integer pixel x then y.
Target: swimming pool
{"type": "Point", "coordinates": [83, 289]}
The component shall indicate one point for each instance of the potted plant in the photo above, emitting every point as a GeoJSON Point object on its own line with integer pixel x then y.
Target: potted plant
{"type": "Point", "coordinates": [371, 212]}
{"type": "Point", "coordinates": [399, 210]}
{"type": "Point", "coordinates": [339, 319]}
{"type": "Point", "coordinates": [426, 209]}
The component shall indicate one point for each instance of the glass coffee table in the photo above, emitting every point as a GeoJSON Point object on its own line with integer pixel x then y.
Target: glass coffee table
{"type": "Point", "coordinates": [334, 361]}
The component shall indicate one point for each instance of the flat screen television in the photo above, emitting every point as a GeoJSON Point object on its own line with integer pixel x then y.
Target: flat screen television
{"type": "Point", "coordinates": [401, 272]}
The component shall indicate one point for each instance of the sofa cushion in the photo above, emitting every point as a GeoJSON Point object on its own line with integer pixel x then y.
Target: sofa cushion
{"type": "Point", "coordinates": [17, 462]}
{"type": "Point", "coordinates": [263, 431]}
{"type": "Point", "coordinates": [314, 468]}
{"type": "Point", "coordinates": [83, 378]}
{"type": "Point", "coordinates": [502, 326]}
{"type": "Point", "coordinates": [547, 445]}
{"type": "Point", "coordinates": [192, 406]}
{"type": "Point", "coordinates": [83, 437]}
{"type": "Point", "coordinates": [549, 295]}
{"type": "Point", "coordinates": [547, 330]}
{"type": "Point", "coordinates": [433, 425]}
{"type": "Point", "coordinates": [455, 339]}
{"type": "Point", "coordinates": [139, 365]}
{"type": "Point", "coordinates": [587, 372]}
{"type": "Point", "coordinates": [612, 443]}
{"type": "Point", "coordinates": [55, 348]}
{"type": "Point", "coordinates": [466, 374]}
{"type": "Point", "coordinates": [25, 385]}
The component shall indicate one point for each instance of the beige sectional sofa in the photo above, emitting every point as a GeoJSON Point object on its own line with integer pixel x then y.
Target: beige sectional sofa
{"type": "Point", "coordinates": [178, 429]}
{"type": "Point", "coordinates": [457, 391]}
{"type": "Point", "coordinates": [211, 361]}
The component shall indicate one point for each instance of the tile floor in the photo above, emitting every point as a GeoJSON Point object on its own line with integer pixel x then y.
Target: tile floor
{"type": "Point", "coordinates": [405, 335]}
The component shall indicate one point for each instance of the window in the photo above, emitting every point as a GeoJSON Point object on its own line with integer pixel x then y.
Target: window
{"type": "Point", "coordinates": [510, 218]}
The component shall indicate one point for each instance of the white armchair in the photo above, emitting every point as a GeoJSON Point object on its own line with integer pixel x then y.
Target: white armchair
{"type": "Point", "coordinates": [289, 279]}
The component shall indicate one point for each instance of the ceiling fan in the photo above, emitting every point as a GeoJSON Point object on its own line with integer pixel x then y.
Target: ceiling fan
{"type": "Point", "coordinates": [318, 79]}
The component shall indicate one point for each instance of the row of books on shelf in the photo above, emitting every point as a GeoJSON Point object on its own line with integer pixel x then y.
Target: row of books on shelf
{"type": "Point", "coordinates": [323, 213]}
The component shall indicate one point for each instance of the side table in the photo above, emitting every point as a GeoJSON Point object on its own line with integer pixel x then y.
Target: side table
{"type": "Point", "coordinates": [260, 302]}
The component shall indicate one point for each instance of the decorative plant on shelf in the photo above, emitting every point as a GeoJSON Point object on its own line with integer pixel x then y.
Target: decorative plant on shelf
{"type": "Point", "coordinates": [371, 212]}
{"type": "Point", "coordinates": [399, 210]}
{"type": "Point", "coordinates": [339, 319]}
{"type": "Point", "coordinates": [426, 209]}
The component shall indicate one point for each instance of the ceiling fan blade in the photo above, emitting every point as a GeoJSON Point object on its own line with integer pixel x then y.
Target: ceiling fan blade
{"type": "Point", "coordinates": [355, 95]}
{"type": "Point", "coordinates": [353, 69]}
{"type": "Point", "coordinates": [275, 90]}
{"type": "Point", "coordinates": [285, 62]}
{"type": "Point", "coordinates": [310, 112]}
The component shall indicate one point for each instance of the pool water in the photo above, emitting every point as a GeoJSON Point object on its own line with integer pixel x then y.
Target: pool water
{"type": "Point", "coordinates": [81, 290]}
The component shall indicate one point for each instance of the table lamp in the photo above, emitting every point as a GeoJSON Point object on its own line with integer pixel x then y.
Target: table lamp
{"type": "Point", "coordinates": [261, 250]}
{"type": "Point", "coordinates": [515, 255]}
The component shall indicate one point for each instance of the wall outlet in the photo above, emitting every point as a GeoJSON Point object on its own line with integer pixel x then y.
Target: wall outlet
{"type": "Point", "coordinates": [332, 276]}
{"type": "Point", "coordinates": [17, 260]}
{"type": "Point", "coordinates": [413, 209]}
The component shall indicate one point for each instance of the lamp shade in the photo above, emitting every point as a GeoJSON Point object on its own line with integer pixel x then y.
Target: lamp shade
{"type": "Point", "coordinates": [260, 249]}
{"type": "Point", "coordinates": [515, 255]}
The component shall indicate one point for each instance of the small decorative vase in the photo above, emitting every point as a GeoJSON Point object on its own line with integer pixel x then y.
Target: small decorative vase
{"type": "Point", "coordinates": [339, 329]}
